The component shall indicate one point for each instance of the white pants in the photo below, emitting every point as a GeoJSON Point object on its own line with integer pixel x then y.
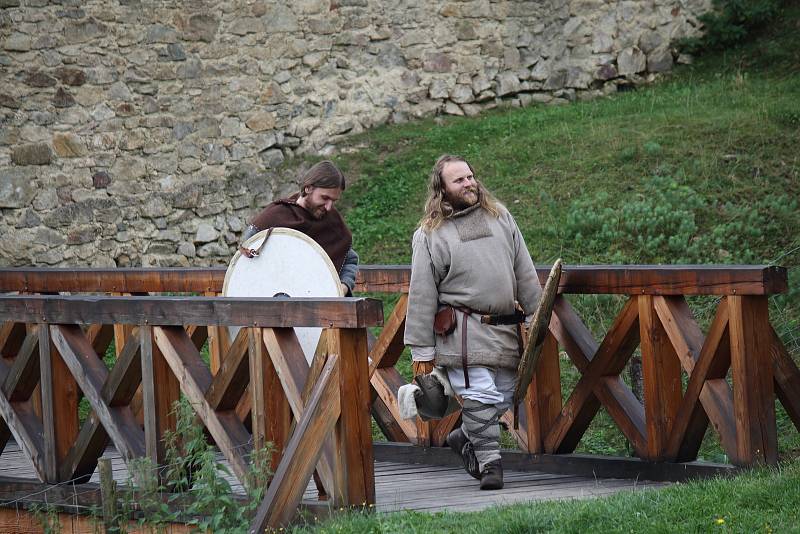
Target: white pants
{"type": "Point", "coordinates": [487, 386]}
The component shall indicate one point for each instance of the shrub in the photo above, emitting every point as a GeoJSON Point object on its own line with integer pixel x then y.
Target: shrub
{"type": "Point", "coordinates": [730, 22]}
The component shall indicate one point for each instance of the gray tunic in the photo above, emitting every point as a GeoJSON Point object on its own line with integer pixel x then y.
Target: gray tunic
{"type": "Point", "coordinates": [479, 261]}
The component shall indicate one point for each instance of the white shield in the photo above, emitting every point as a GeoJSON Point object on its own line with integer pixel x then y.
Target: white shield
{"type": "Point", "coordinates": [290, 264]}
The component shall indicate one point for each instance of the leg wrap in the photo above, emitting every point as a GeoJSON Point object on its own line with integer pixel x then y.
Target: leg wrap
{"type": "Point", "coordinates": [481, 425]}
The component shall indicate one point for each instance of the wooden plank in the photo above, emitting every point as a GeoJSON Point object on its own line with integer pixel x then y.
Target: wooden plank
{"type": "Point", "coordinates": [152, 436]}
{"type": "Point", "coordinates": [100, 336]}
{"type": "Point", "coordinates": [90, 373]}
{"type": "Point", "coordinates": [751, 369]}
{"type": "Point", "coordinates": [27, 430]}
{"type": "Point", "coordinates": [542, 404]}
{"type": "Point", "coordinates": [49, 449]}
{"type": "Point", "coordinates": [231, 378]}
{"type": "Point", "coordinates": [696, 406]}
{"type": "Point", "coordinates": [294, 471]}
{"type": "Point", "coordinates": [389, 345]}
{"type": "Point", "coordinates": [329, 312]}
{"type": "Point", "coordinates": [608, 362]}
{"type": "Point", "coordinates": [166, 393]}
{"type": "Point", "coordinates": [622, 279]}
{"type": "Point", "coordinates": [186, 364]}
{"type": "Point", "coordinates": [386, 382]}
{"type": "Point", "coordinates": [258, 391]}
{"type": "Point", "coordinates": [589, 465]}
{"type": "Point", "coordinates": [661, 369]}
{"type": "Point", "coordinates": [23, 375]}
{"type": "Point", "coordinates": [12, 336]}
{"type": "Point", "coordinates": [218, 342]}
{"type": "Point", "coordinates": [126, 375]}
{"type": "Point", "coordinates": [353, 430]}
{"type": "Point", "coordinates": [443, 427]}
{"type": "Point", "coordinates": [787, 378]}
{"type": "Point", "coordinates": [424, 428]}
{"type": "Point", "coordinates": [294, 372]}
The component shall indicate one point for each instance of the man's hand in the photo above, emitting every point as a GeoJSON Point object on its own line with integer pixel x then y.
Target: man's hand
{"type": "Point", "coordinates": [248, 252]}
{"type": "Point", "coordinates": [345, 289]}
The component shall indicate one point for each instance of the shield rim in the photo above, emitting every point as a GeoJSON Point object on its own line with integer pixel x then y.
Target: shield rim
{"type": "Point", "coordinates": [280, 230]}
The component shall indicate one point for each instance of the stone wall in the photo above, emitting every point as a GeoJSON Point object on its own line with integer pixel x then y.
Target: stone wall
{"type": "Point", "coordinates": [147, 132]}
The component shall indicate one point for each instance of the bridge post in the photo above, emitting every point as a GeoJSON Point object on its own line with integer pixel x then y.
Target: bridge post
{"type": "Point", "coordinates": [753, 391]}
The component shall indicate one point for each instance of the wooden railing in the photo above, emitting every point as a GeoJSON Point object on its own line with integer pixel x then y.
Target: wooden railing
{"type": "Point", "coordinates": [732, 373]}
{"type": "Point", "coordinates": [52, 347]}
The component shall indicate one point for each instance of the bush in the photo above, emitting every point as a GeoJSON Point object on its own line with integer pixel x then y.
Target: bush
{"type": "Point", "coordinates": [730, 22]}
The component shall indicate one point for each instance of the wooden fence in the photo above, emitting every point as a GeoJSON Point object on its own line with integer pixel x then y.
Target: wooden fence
{"type": "Point", "coordinates": [729, 376]}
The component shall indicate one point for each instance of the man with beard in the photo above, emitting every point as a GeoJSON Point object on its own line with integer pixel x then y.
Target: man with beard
{"type": "Point", "coordinates": [312, 212]}
{"type": "Point", "coordinates": [469, 259]}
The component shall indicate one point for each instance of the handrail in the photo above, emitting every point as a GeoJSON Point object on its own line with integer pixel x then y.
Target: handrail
{"type": "Point", "coordinates": [329, 312]}
{"type": "Point", "coordinates": [576, 279]}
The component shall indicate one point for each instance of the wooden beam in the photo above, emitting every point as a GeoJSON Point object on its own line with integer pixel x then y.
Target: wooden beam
{"type": "Point", "coordinates": [354, 428]}
{"type": "Point", "coordinates": [389, 346]}
{"type": "Point", "coordinates": [294, 471]}
{"type": "Point", "coordinates": [705, 395]}
{"type": "Point", "coordinates": [787, 379]}
{"type": "Point", "coordinates": [293, 371]}
{"type": "Point", "coordinates": [619, 279]}
{"type": "Point", "coordinates": [543, 403]}
{"type": "Point", "coordinates": [600, 380]}
{"type": "Point", "coordinates": [338, 312]}
{"type": "Point", "coordinates": [661, 369]}
{"type": "Point", "coordinates": [90, 372]}
{"type": "Point", "coordinates": [751, 369]}
{"type": "Point", "coordinates": [195, 378]}
{"type": "Point", "coordinates": [386, 382]}
{"type": "Point", "coordinates": [231, 378]}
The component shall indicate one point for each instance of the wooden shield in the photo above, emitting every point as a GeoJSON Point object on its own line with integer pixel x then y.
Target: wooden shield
{"type": "Point", "coordinates": [290, 264]}
{"type": "Point", "coordinates": [536, 335]}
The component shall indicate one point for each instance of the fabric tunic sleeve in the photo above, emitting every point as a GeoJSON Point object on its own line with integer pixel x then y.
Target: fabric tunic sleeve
{"type": "Point", "coordinates": [529, 290]}
{"type": "Point", "coordinates": [423, 295]}
{"type": "Point", "coordinates": [349, 269]}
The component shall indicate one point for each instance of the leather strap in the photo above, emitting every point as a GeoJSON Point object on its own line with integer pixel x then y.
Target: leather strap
{"type": "Point", "coordinates": [464, 345]}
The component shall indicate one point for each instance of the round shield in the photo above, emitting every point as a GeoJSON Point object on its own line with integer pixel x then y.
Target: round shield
{"type": "Point", "coordinates": [289, 264]}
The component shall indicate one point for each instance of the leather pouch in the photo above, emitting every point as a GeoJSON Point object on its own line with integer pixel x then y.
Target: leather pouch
{"type": "Point", "coordinates": [444, 322]}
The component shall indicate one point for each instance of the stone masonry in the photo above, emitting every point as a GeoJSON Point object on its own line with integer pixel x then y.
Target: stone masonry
{"type": "Point", "coordinates": [147, 132]}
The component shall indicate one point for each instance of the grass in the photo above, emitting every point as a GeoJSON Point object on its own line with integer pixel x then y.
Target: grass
{"type": "Point", "coordinates": [763, 500]}
{"type": "Point", "coordinates": [702, 167]}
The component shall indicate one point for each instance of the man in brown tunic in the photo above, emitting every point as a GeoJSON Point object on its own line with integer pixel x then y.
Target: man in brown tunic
{"type": "Point", "coordinates": [312, 211]}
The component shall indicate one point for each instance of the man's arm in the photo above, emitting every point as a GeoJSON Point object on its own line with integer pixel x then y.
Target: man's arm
{"type": "Point", "coordinates": [423, 301]}
{"type": "Point", "coordinates": [529, 290]}
{"type": "Point", "coordinates": [349, 271]}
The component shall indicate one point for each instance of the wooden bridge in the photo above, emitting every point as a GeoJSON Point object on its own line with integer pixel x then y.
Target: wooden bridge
{"type": "Point", "coordinates": [258, 388]}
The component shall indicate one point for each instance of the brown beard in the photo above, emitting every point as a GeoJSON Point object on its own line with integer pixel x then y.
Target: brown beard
{"type": "Point", "coordinates": [459, 202]}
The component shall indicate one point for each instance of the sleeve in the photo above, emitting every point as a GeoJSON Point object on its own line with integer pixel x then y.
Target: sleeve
{"type": "Point", "coordinates": [349, 269]}
{"type": "Point", "coordinates": [423, 295]}
{"type": "Point", "coordinates": [249, 232]}
{"type": "Point", "coordinates": [529, 290]}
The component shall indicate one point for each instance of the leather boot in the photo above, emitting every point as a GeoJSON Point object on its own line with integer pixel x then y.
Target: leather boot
{"type": "Point", "coordinates": [461, 445]}
{"type": "Point", "coordinates": [492, 476]}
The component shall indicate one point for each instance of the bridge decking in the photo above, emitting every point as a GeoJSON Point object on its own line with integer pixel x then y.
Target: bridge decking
{"type": "Point", "coordinates": [404, 486]}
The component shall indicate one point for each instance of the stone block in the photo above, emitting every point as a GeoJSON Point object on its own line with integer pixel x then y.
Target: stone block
{"type": "Point", "coordinates": [201, 27]}
{"type": "Point", "coordinates": [69, 145]}
{"type": "Point", "coordinates": [660, 60]}
{"type": "Point", "coordinates": [17, 187]}
{"type": "Point", "coordinates": [18, 42]}
{"type": "Point", "coordinates": [33, 154]}
{"type": "Point", "coordinates": [39, 79]}
{"type": "Point", "coordinates": [63, 99]}
{"type": "Point", "coordinates": [631, 61]}
{"type": "Point", "coordinates": [437, 62]}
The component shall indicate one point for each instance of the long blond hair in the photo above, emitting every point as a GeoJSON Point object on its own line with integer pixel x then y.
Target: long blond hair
{"type": "Point", "coordinates": [437, 209]}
